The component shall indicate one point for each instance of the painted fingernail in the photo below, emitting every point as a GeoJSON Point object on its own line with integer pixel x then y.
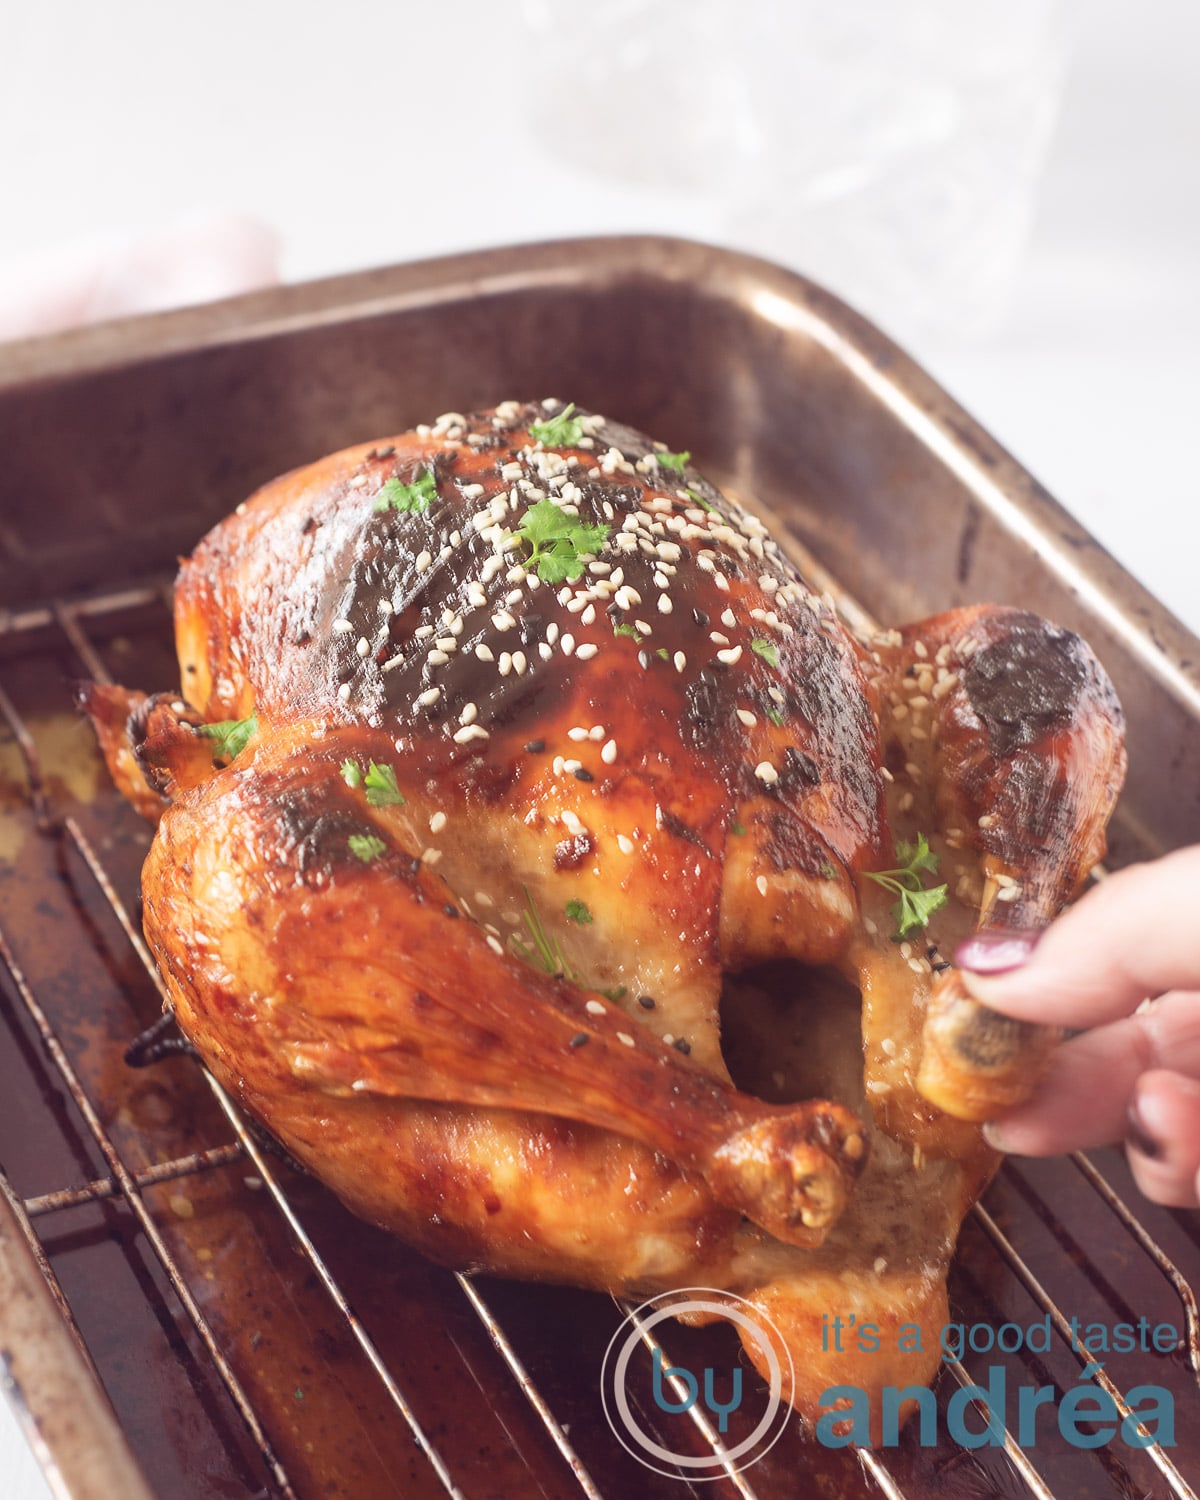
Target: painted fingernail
{"type": "Point", "coordinates": [1138, 1135]}
{"type": "Point", "coordinates": [997, 950]}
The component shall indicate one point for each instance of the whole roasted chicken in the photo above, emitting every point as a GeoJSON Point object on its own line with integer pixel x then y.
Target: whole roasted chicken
{"type": "Point", "coordinates": [518, 786]}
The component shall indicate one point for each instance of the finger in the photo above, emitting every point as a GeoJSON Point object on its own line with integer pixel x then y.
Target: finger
{"type": "Point", "coordinates": [1132, 936]}
{"type": "Point", "coordinates": [1164, 1138]}
{"type": "Point", "coordinates": [1084, 1098]}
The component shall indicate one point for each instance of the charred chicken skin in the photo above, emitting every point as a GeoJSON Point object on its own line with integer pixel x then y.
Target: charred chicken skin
{"type": "Point", "coordinates": [505, 749]}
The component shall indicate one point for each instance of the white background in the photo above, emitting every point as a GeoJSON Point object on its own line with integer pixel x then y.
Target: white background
{"type": "Point", "coordinates": [373, 133]}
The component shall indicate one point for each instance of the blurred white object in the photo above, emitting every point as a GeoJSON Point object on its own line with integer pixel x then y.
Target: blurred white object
{"type": "Point", "coordinates": [192, 260]}
{"type": "Point", "coordinates": [890, 148]}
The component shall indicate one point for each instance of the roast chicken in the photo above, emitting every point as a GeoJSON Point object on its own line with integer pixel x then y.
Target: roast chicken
{"type": "Point", "coordinates": [524, 829]}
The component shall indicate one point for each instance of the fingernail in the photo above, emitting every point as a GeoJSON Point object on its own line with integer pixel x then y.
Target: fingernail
{"type": "Point", "coordinates": [993, 1134]}
{"type": "Point", "coordinates": [997, 950]}
{"type": "Point", "coordinates": [1137, 1134]}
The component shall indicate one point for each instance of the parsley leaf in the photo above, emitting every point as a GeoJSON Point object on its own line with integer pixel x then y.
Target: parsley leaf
{"type": "Point", "coordinates": [629, 630]}
{"type": "Point", "coordinates": [738, 828]}
{"type": "Point", "coordinates": [577, 911]}
{"type": "Point", "coordinates": [415, 496]}
{"type": "Point", "coordinates": [776, 717]}
{"type": "Point", "coordinates": [352, 773]}
{"type": "Point", "coordinates": [382, 790]}
{"type": "Point", "coordinates": [765, 649]}
{"type": "Point", "coordinates": [618, 992]}
{"type": "Point", "coordinates": [702, 502]}
{"type": "Point", "coordinates": [230, 736]}
{"type": "Point", "coordinates": [674, 461]}
{"type": "Point", "coordinates": [916, 903]}
{"type": "Point", "coordinates": [562, 431]}
{"type": "Point", "coordinates": [557, 541]}
{"type": "Point", "coordinates": [366, 846]}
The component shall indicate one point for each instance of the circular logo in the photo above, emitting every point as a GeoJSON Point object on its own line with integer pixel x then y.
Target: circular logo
{"type": "Point", "coordinates": [708, 1397]}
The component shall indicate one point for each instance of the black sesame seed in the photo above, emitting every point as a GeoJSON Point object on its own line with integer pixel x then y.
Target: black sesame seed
{"type": "Point", "coordinates": [646, 1002]}
{"type": "Point", "coordinates": [681, 1045]}
{"type": "Point", "coordinates": [451, 911]}
{"type": "Point", "coordinates": [535, 747]}
{"type": "Point", "coordinates": [583, 774]}
{"type": "Point", "coordinates": [580, 1039]}
{"type": "Point", "coordinates": [700, 618]}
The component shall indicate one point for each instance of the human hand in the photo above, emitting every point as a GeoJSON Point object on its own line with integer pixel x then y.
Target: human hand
{"type": "Point", "coordinates": [1134, 1072]}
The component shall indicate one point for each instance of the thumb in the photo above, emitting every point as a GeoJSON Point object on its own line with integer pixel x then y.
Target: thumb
{"type": "Point", "coordinates": [1134, 935]}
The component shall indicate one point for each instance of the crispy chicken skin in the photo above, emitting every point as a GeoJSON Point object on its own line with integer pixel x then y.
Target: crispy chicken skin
{"type": "Point", "coordinates": [550, 744]}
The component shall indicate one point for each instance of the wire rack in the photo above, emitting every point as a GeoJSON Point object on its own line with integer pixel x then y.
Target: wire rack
{"type": "Point", "coordinates": [72, 630]}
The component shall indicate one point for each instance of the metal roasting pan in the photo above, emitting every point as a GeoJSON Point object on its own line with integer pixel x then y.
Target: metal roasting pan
{"type": "Point", "coordinates": [249, 1337]}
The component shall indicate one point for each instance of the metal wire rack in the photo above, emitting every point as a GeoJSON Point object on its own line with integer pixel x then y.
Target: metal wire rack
{"type": "Point", "coordinates": [867, 1472]}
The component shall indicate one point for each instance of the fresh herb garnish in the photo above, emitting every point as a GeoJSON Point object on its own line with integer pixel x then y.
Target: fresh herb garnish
{"type": "Point", "coordinates": [417, 496]}
{"type": "Point", "coordinates": [765, 649]}
{"type": "Point", "coordinates": [352, 773]}
{"type": "Point", "coordinates": [675, 461]}
{"type": "Point", "coordinates": [702, 502]}
{"type": "Point", "coordinates": [829, 870]}
{"type": "Point", "coordinates": [618, 992]}
{"type": "Point", "coordinates": [738, 828]}
{"type": "Point", "coordinates": [629, 630]}
{"type": "Point", "coordinates": [231, 736]}
{"type": "Point", "coordinates": [562, 431]}
{"type": "Point", "coordinates": [776, 717]}
{"type": "Point", "coordinates": [382, 790]}
{"type": "Point", "coordinates": [366, 846]}
{"type": "Point", "coordinates": [663, 653]}
{"type": "Point", "coordinates": [577, 911]}
{"type": "Point", "coordinates": [917, 903]}
{"type": "Point", "coordinates": [558, 542]}
{"type": "Point", "coordinates": [545, 952]}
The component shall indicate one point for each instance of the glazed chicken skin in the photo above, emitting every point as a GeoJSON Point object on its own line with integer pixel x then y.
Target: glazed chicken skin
{"type": "Point", "coordinates": [533, 741]}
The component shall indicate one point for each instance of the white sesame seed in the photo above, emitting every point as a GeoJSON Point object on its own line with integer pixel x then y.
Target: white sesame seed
{"type": "Point", "coordinates": [586, 651]}
{"type": "Point", "coordinates": [429, 697]}
{"type": "Point", "coordinates": [624, 843]}
{"type": "Point", "coordinates": [761, 883]}
{"type": "Point", "coordinates": [664, 604]}
{"type": "Point", "coordinates": [577, 733]}
{"type": "Point", "coordinates": [609, 753]}
{"type": "Point", "coordinates": [920, 648]}
{"type": "Point", "coordinates": [680, 661]}
{"type": "Point", "coordinates": [730, 657]}
{"type": "Point", "coordinates": [469, 714]}
{"type": "Point", "coordinates": [594, 1008]}
{"type": "Point", "coordinates": [569, 769]}
{"type": "Point", "coordinates": [661, 581]}
{"type": "Point", "coordinates": [472, 491]}
{"type": "Point", "coordinates": [718, 638]}
{"type": "Point", "coordinates": [470, 732]}
{"type": "Point", "coordinates": [504, 665]}
{"type": "Point", "coordinates": [721, 582]}
{"type": "Point", "coordinates": [437, 658]}
{"type": "Point", "coordinates": [512, 472]}
{"type": "Point", "coordinates": [558, 765]}
{"type": "Point", "coordinates": [364, 646]}
{"type": "Point", "coordinates": [747, 718]}
{"type": "Point", "coordinates": [484, 653]}
{"type": "Point", "coordinates": [643, 627]}
{"type": "Point", "coordinates": [344, 692]}
{"type": "Point", "coordinates": [775, 694]}
{"type": "Point", "coordinates": [624, 1038]}
{"type": "Point", "coordinates": [596, 732]}
{"type": "Point", "coordinates": [729, 618]}
{"type": "Point", "coordinates": [494, 944]}
{"type": "Point", "coordinates": [342, 627]}
{"type": "Point", "coordinates": [423, 560]}
{"type": "Point", "coordinates": [437, 822]}
{"type": "Point", "coordinates": [551, 633]}
{"type": "Point", "coordinates": [446, 643]}
{"type": "Point", "coordinates": [392, 663]}
{"type": "Point", "coordinates": [588, 617]}
{"type": "Point", "coordinates": [766, 772]}
{"type": "Point", "coordinates": [545, 651]}
{"type": "Point", "coordinates": [519, 663]}
{"type": "Point", "coordinates": [503, 620]}
{"type": "Point", "coordinates": [568, 644]}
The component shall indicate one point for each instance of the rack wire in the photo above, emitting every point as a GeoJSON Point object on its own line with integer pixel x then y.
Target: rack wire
{"type": "Point", "coordinates": [69, 622]}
